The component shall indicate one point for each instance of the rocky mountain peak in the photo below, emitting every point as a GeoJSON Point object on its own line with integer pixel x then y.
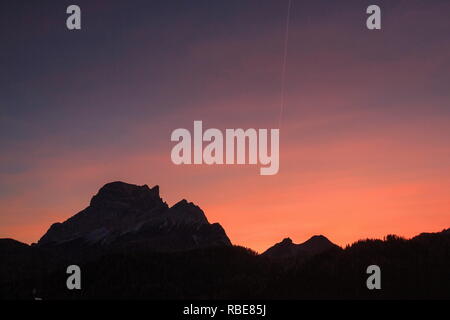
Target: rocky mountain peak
{"type": "Point", "coordinates": [187, 211]}
{"type": "Point", "coordinates": [122, 213]}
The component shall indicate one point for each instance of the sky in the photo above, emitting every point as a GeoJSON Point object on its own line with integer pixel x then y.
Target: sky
{"type": "Point", "coordinates": [364, 132]}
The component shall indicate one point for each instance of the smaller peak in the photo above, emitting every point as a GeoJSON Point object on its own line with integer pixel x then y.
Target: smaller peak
{"type": "Point", "coordinates": [319, 237]}
{"type": "Point", "coordinates": [182, 203]}
{"type": "Point", "coordinates": [318, 240]}
{"type": "Point", "coordinates": [286, 241]}
{"type": "Point", "coordinates": [187, 211]}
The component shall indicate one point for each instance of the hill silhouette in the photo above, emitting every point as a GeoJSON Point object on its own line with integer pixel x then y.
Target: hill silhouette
{"type": "Point", "coordinates": [288, 249]}
{"type": "Point", "coordinates": [130, 244]}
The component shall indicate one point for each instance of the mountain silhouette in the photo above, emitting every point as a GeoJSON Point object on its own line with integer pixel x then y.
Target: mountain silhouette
{"type": "Point", "coordinates": [123, 214]}
{"type": "Point", "coordinates": [288, 249]}
{"type": "Point", "coordinates": [130, 244]}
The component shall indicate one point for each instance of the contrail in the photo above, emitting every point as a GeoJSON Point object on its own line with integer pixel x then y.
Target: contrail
{"type": "Point", "coordinates": [283, 68]}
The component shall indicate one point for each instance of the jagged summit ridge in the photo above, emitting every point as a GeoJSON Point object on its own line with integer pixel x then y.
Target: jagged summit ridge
{"type": "Point", "coordinates": [120, 192]}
